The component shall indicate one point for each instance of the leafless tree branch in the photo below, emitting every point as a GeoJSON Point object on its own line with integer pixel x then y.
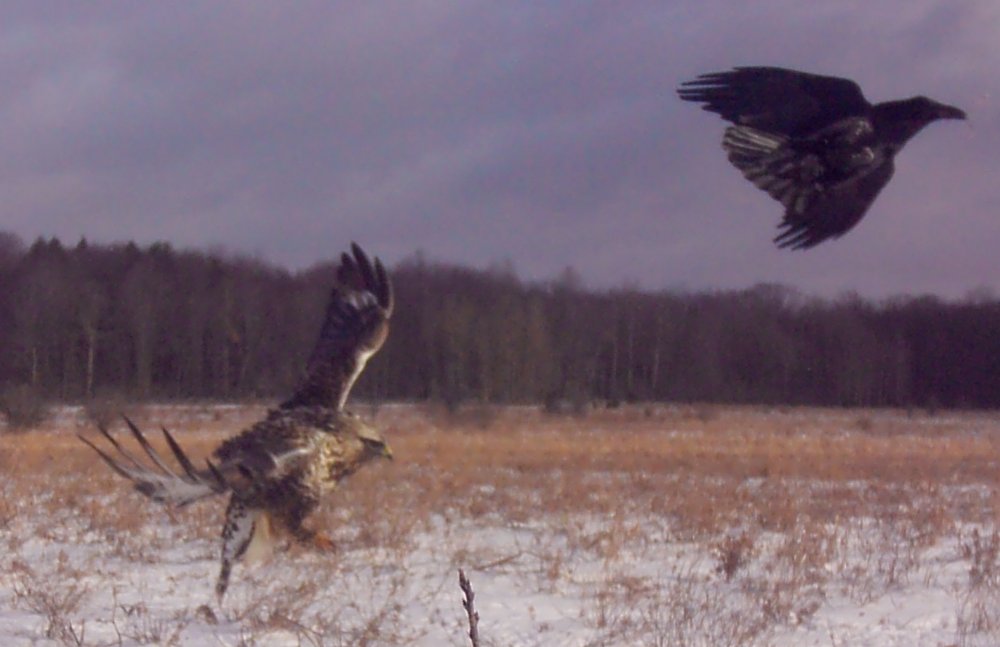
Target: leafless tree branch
{"type": "Point", "coordinates": [469, 603]}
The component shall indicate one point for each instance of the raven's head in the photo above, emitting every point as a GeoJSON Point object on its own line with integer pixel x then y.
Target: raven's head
{"type": "Point", "coordinates": [928, 110]}
{"type": "Point", "coordinates": [897, 121]}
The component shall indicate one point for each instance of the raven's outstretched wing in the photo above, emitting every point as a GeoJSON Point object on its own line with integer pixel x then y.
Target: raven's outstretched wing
{"type": "Point", "coordinates": [835, 210]}
{"type": "Point", "coordinates": [775, 99]}
{"type": "Point", "coordinates": [356, 325]}
{"type": "Point", "coordinates": [160, 482]}
{"type": "Point", "coordinates": [825, 181]}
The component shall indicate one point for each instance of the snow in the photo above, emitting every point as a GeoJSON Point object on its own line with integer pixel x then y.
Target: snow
{"type": "Point", "coordinates": [575, 579]}
{"type": "Point", "coordinates": [150, 597]}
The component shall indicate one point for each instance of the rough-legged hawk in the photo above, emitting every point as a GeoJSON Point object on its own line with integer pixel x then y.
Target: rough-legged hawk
{"type": "Point", "coordinates": [276, 471]}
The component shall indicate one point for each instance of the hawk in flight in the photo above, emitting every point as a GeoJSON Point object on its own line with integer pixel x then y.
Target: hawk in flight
{"type": "Point", "coordinates": [276, 471]}
{"type": "Point", "coordinates": [814, 143]}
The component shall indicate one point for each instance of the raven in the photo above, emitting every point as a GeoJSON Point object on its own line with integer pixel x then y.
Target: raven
{"type": "Point", "coordinates": [813, 142]}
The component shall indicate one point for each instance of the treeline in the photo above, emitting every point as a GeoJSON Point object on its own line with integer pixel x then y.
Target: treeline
{"type": "Point", "coordinates": [89, 321]}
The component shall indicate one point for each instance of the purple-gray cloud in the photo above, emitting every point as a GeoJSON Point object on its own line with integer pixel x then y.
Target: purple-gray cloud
{"type": "Point", "coordinates": [546, 134]}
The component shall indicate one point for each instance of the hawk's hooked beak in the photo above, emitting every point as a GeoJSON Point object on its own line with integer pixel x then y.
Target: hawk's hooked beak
{"type": "Point", "coordinates": [376, 448]}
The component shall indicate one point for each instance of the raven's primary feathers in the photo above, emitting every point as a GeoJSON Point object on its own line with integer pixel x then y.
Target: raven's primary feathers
{"type": "Point", "coordinates": [813, 142]}
{"type": "Point", "coordinates": [276, 471]}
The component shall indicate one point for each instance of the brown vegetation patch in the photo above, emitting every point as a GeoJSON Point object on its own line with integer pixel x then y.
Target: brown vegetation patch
{"type": "Point", "coordinates": [807, 497]}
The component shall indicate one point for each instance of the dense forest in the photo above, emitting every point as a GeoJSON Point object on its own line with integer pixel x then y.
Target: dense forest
{"type": "Point", "coordinates": [91, 321]}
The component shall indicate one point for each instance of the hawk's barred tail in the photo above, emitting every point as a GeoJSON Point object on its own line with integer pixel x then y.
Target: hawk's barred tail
{"type": "Point", "coordinates": [160, 482]}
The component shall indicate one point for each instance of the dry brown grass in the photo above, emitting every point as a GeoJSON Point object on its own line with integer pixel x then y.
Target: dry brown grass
{"type": "Point", "coordinates": [798, 492]}
{"type": "Point", "coordinates": [706, 474]}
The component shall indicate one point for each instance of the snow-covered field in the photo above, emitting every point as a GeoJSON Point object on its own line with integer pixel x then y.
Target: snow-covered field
{"type": "Point", "coordinates": [642, 526]}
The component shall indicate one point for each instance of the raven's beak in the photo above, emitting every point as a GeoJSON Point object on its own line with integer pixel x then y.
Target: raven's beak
{"type": "Point", "coordinates": [950, 112]}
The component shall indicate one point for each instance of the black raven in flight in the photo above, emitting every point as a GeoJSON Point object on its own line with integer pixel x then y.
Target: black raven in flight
{"type": "Point", "coordinates": [814, 143]}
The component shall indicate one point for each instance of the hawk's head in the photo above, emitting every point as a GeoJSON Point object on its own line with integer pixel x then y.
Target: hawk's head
{"type": "Point", "coordinates": [374, 443]}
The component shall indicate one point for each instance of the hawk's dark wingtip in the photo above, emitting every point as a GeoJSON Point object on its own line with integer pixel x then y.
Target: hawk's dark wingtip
{"type": "Point", "coordinates": [364, 266]}
{"type": "Point", "coordinates": [386, 296]}
{"type": "Point", "coordinates": [373, 274]}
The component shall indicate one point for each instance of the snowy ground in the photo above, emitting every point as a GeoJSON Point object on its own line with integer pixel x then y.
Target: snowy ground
{"type": "Point", "coordinates": [607, 550]}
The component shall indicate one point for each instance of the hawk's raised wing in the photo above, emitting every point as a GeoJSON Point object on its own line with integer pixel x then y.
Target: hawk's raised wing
{"type": "Point", "coordinates": [356, 325]}
{"type": "Point", "coordinates": [776, 99]}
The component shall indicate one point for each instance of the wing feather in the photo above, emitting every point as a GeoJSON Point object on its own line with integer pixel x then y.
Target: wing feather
{"type": "Point", "coordinates": [823, 197]}
{"type": "Point", "coordinates": [776, 99]}
{"type": "Point", "coordinates": [355, 327]}
{"type": "Point", "coordinates": [834, 211]}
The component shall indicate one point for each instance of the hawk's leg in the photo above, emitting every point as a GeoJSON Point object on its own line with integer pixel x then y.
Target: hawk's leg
{"type": "Point", "coordinates": [236, 535]}
{"type": "Point", "coordinates": [315, 538]}
{"type": "Point", "coordinates": [294, 518]}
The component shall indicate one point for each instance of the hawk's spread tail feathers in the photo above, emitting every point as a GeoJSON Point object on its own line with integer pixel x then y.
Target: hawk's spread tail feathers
{"type": "Point", "coordinates": [160, 482]}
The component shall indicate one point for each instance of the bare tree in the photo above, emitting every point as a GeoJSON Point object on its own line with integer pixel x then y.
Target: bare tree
{"type": "Point", "coordinates": [158, 322]}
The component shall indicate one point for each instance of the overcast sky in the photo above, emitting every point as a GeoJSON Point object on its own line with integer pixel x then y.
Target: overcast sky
{"type": "Point", "coordinates": [546, 134]}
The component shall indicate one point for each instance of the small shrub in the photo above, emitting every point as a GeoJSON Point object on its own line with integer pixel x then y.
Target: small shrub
{"type": "Point", "coordinates": [473, 415]}
{"type": "Point", "coordinates": [105, 409]}
{"type": "Point", "coordinates": [864, 424]}
{"type": "Point", "coordinates": [733, 553]}
{"type": "Point", "coordinates": [983, 554]}
{"type": "Point", "coordinates": [55, 603]}
{"type": "Point", "coordinates": [23, 407]}
{"type": "Point", "coordinates": [705, 413]}
{"type": "Point", "coordinates": [563, 406]}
